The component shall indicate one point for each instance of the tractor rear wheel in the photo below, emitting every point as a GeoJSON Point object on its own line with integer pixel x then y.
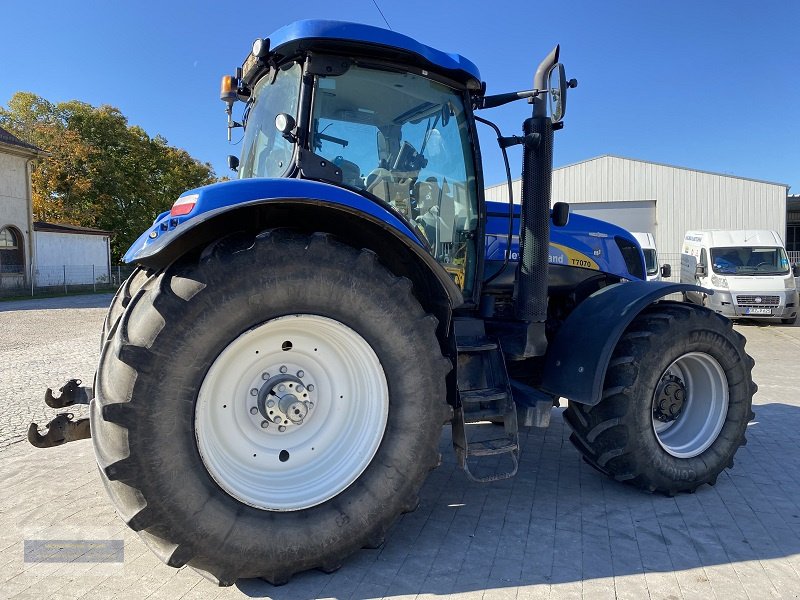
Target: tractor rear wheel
{"type": "Point", "coordinates": [269, 407]}
{"type": "Point", "coordinates": [676, 401]}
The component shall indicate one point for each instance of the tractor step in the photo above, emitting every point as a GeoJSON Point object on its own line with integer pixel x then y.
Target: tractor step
{"type": "Point", "coordinates": [475, 344]}
{"type": "Point", "coordinates": [493, 447]}
{"type": "Point", "coordinates": [485, 395]}
{"type": "Point", "coordinates": [486, 404]}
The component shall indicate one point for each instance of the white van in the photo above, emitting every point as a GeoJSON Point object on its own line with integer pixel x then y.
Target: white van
{"type": "Point", "coordinates": [747, 269]}
{"type": "Point", "coordinates": [648, 243]}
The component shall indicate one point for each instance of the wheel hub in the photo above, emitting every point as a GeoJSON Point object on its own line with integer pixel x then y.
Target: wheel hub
{"type": "Point", "coordinates": [670, 396]}
{"type": "Point", "coordinates": [283, 400]}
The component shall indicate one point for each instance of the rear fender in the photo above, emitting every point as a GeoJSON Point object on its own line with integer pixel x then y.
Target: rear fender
{"type": "Point", "coordinates": [577, 359]}
{"type": "Point", "coordinates": [257, 204]}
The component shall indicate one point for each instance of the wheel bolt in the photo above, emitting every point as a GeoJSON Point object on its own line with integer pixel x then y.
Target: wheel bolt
{"type": "Point", "coordinates": [311, 388]}
{"type": "Point", "coordinates": [284, 369]}
{"type": "Point", "coordinates": [276, 419]}
{"type": "Point", "coordinates": [264, 424]}
{"type": "Point", "coordinates": [265, 376]}
{"type": "Point", "coordinates": [253, 410]}
{"type": "Point", "coordinates": [254, 392]}
{"type": "Point", "coordinates": [281, 388]}
{"type": "Point", "coordinates": [299, 387]}
{"type": "Point", "coordinates": [310, 405]}
{"type": "Point", "coordinates": [271, 403]}
{"type": "Point", "coordinates": [281, 428]}
{"type": "Point", "coordinates": [300, 374]}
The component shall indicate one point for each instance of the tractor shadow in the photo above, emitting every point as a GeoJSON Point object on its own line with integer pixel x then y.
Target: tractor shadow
{"type": "Point", "coordinates": [560, 521]}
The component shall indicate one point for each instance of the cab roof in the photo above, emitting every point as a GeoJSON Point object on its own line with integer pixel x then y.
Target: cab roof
{"type": "Point", "coordinates": [341, 36]}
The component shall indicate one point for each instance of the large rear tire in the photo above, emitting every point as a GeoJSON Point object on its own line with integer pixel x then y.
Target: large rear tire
{"type": "Point", "coordinates": [268, 408]}
{"type": "Point", "coordinates": [676, 401]}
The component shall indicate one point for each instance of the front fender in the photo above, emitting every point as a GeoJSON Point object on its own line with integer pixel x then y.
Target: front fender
{"type": "Point", "coordinates": [577, 359]}
{"type": "Point", "coordinates": [216, 199]}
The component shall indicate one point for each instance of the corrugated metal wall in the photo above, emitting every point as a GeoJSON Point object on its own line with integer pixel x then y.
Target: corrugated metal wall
{"type": "Point", "coordinates": [685, 199]}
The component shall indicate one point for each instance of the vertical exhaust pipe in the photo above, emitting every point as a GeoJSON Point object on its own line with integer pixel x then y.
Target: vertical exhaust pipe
{"type": "Point", "coordinates": [537, 168]}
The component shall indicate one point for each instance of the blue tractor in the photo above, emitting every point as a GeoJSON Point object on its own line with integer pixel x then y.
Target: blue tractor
{"type": "Point", "coordinates": [276, 373]}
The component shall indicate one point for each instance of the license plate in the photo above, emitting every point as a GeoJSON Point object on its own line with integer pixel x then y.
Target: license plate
{"type": "Point", "coordinates": [758, 311]}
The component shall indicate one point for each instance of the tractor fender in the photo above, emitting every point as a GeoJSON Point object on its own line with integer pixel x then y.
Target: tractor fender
{"type": "Point", "coordinates": [576, 360]}
{"type": "Point", "coordinates": [257, 204]}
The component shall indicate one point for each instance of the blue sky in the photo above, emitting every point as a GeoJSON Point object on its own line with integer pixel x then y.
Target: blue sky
{"type": "Point", "coordinates": [707, 85]}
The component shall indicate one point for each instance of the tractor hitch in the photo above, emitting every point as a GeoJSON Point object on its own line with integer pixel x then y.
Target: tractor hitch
{"type": "Point", "coordinates": [71, 393]}
{"type": "Point", "coordinates": [60, 430]}
{"type": "Point", "coordinates": [64, 428]}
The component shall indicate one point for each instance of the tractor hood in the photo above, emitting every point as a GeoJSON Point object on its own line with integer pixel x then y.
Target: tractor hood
{"type": "Point", "coordinates": [583, 242]}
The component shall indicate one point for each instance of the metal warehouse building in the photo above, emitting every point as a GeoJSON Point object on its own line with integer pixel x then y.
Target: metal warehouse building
{"type": "Point", "coordinates": [663, 199]}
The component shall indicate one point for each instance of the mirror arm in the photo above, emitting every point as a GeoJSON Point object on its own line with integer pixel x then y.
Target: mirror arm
{"type": "Point", "coordinates": [501, 99]}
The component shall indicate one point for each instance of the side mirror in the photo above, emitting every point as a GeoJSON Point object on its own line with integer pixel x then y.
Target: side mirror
{"type": "Point", "coordinates": [233, 163]}
{"type": "Point", "coordinates": [700, 271]}
{"type": "Point", "coordinates": [557, 92]}
{"type": "Point", "coordinates": [666, 271]}
{"type": "Point", "coordinates": [795, 270]}
{"type": "Point", "coordinates": [560, 215]}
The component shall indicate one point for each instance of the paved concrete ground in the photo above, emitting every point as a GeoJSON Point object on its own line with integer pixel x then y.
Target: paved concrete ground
{"type": "Point", "coordinates": [558, 530]}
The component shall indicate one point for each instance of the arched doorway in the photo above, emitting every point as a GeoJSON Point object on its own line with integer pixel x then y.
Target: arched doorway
{"type": "Point", "coordinates": [12, 251]}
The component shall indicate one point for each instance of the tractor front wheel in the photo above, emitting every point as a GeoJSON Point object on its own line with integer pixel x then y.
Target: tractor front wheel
{"type": "Point", "coordinates": [676, 401]}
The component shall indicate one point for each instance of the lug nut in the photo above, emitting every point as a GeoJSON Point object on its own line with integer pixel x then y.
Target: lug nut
{"type": "Point", "coordinates": [254, 392]}
{"type": "Point", "coordinates": [276, 419]}
{"type": "Point", "coordinates": [281, 388]}
{"type": "Point", "coordinates": [281, 428]}
{"type": "Point", "coordinates": [253, 410]}
{"type": "Point", "coordinates": [271, 403]}
{"type": "Point", "coordinates": [311, 388]}
{"type": "Point", "coordinates": [264, 424]}
{"type": "Point", "coordinates": [299, 387]}
{"type": "Point", "coordinates": [265, 376]}
{"type": "Point", "coordinates": [300, 374]}
{"type": "Point", "coordinates": [284, 369]}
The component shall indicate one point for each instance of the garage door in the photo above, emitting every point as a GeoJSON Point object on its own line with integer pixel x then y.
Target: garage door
{"type": "Point", "coordinates": [637, 215]}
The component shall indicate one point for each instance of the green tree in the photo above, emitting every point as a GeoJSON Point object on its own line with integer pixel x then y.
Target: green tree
{"type": "Point", "coordinates": [101, 171]}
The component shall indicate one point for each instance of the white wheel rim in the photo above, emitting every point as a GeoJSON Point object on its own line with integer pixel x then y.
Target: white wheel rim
{"type": "Point", "coordinates": [704, 389]}
{"type": "Point", "coordinates": [342, 405]}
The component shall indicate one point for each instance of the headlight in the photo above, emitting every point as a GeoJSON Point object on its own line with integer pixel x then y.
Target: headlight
{"type": "Point", "coordinates": [720, 282]}
{"type": "Point", "coordinates": [790, 284]}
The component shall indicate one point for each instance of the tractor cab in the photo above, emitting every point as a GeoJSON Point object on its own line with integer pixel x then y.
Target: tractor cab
{"type": "Point", "coordinates": [395, 129]}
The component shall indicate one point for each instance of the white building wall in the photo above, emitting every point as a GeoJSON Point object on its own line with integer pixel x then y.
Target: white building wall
{"type": "Point", "coordinates": [14, 202]}
{"type": "Point", "coordinates": [685, 199]}
{"type": "Point", "coordinates": [81, 258]}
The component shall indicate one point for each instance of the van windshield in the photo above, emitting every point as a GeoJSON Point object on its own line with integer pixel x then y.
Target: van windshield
{"type": "Point", "coordinates": [749, 260]}
{"type": "Point", "coordinates": [650, 261]}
